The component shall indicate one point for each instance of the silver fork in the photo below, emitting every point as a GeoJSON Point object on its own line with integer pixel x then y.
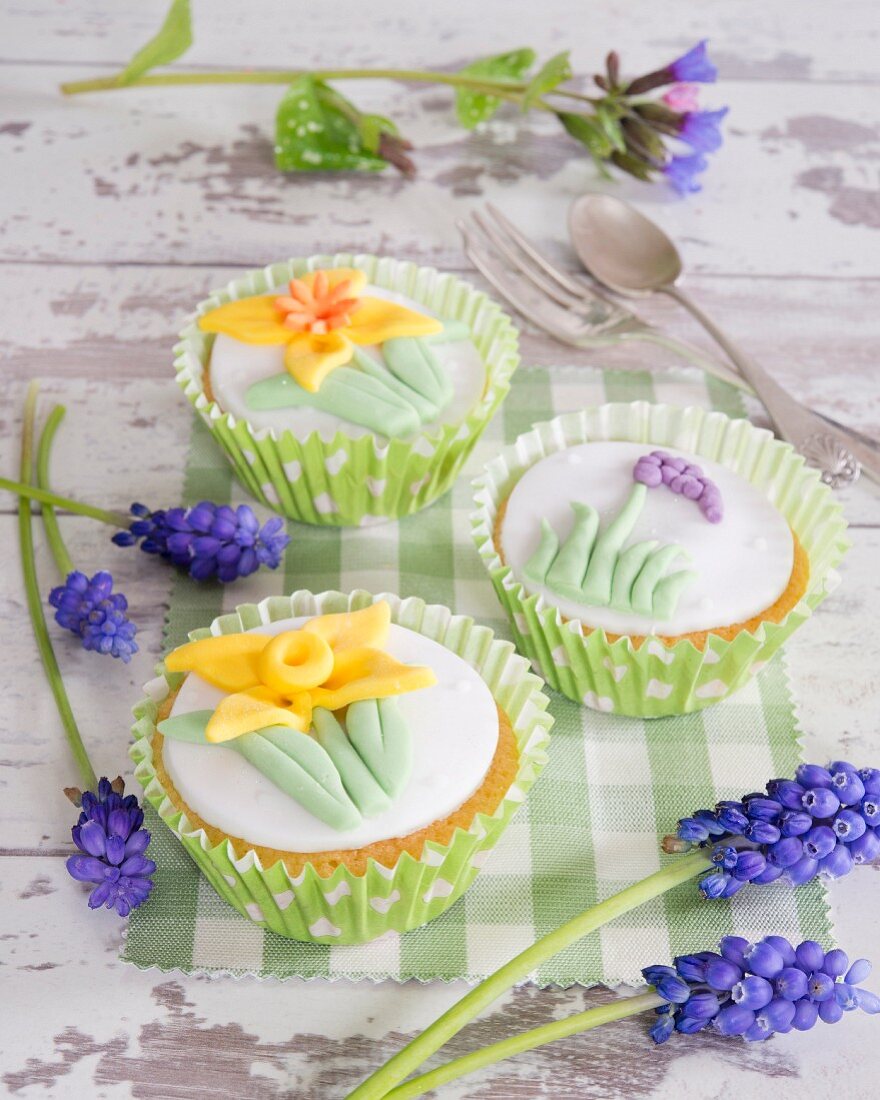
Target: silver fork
{"type": "Point", "coordinates": [576, 313]}
{"type": "Point", "coordinates": [566, 307]}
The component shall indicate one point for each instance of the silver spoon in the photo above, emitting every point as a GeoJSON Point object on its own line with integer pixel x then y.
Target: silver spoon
{"type": "Point", "coordinates": [629, 254]}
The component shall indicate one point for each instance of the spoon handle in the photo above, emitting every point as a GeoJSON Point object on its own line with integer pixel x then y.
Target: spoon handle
{"type": "Point", "coordinates": [838, 455]}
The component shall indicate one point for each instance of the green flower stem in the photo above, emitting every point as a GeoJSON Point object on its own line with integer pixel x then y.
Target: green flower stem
{"type": "Point", "coordinates": [50, 519]}
{"type": "Point", "coordinates": [527, 1040]}
{"type": "Point", "coordinates": [31, 492]}
{"type": "Point", "coordinates": [287, 76]}
{"type": "Point", "coordinates": [451, 1022]}
{"type": "Point", "coordinates": [35, 604]}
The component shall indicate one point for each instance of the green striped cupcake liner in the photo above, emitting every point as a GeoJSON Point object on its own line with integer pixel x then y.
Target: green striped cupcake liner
{"type": "Point", "coordinates": [656, 680]}
{"type": "Point", "coordinates": [349, 908]}
{"type": "Point", "coordinates": [347, 481]}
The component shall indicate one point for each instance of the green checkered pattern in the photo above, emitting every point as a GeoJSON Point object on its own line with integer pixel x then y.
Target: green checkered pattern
{"type": "Point", "coordinates": [591, 825]}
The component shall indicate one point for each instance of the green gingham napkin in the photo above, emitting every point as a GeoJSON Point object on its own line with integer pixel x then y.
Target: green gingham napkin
{"type": "Point", "coordinates": [592, 824]}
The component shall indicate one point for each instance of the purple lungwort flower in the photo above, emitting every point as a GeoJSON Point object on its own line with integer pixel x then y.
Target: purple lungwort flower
{"type": "Point", "coordinates": [702, 129]}
{"type": "Point", "coordinates": [209, 540]}
{"type": "Point", "coordinates": [112, 846]}
{"type": "Point", "coordinates": [693, 67]}
{"type": "Point", "coordinates": [682, 172]}
{"type": "Point", "coordinates": [823, 822]}
{"type": "Point", "coordinates": [757, 990]}
{"type": "Point", "coordinates": [96, 614]}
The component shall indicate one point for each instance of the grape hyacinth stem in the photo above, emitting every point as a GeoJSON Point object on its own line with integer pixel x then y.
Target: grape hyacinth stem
{"type": "Point", "coordinates": [50, 519]}
{"type": "Point", "coordinates": [32, 492]}
{"type": "Point", "coordinates": [619, 1009]}
{"type": "Point", "coordinates": [35, 603]}
{"type": "Point", "coordinates": [451, 1022]}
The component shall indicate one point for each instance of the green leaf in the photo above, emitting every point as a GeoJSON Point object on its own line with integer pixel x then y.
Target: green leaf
{"type": "Point", "coordinates": [372, 128]}
{"type": "Point", "coordinates": [551, 74]}
{"type": "Point", "coordinates": [611, 127]}
{"type": "Point", "coordinates": [588, 132]}
{"type": "Point", "coordinates": [173, 39]}
{"type": "Point", "coordinates": [473, 107]}
{"type": "Point", "coordinates": [319, 130]}
{"type": "Point", "coordinates": [633, 166]}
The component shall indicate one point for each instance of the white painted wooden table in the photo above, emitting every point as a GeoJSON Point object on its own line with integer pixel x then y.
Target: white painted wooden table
{"type": "Point", "coordinates": [120, 210]}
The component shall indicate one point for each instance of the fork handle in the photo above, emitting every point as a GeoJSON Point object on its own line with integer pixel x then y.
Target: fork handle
{"type": "Point", "coordinates": [838, 454]}
{"type": "Point", "coordinates": [691, 353]}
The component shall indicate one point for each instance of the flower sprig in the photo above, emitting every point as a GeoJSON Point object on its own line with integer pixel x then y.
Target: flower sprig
{"type": "Point", "coordinates": [709, 843]}
{"type": "Point", "coordinates": [753, 990]}
{"type": "Point", "coordinates": [108, 833]}
{"type": "Point", "coordinates": [319, 129]}
{"type": "Point", "coordinates": [206, 541]}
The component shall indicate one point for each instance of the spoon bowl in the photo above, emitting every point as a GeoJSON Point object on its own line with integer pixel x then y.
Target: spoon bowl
{"type": "Point", "coordinates": [620, 247]}
{"type": "Point", "coordinates": [629, 254]}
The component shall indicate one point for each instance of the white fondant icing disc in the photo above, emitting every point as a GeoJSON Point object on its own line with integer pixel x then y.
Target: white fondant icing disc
{"type": "Point", "coordinates": [743, 563]}
{"type": "Point", "coordinates": [236, 366]}
{"type": "Point", "coordinates": [454, 727]}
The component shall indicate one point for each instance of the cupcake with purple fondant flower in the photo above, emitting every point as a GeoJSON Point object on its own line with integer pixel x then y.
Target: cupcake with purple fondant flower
{"type": "Point", "coordinates": [652, 580]}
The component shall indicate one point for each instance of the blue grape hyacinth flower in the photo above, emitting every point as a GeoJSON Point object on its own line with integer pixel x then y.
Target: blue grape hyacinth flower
{"type": "Point", "coordinates": [208, 540]}
{"type": "Point", "coordinates": [112, 844]}
{"type": "Point", "coordinates": [758, 989]}
{"type": "Point", "coordinates": [825, 821]}
{"type": "Point", "coordinates": [98, 616]}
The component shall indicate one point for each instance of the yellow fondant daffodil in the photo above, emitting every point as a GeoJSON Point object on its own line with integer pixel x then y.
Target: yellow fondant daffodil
{"type": "Point", "coordinates": [334, 660]}
{"type": "Point", "coordinates": [318, 321]}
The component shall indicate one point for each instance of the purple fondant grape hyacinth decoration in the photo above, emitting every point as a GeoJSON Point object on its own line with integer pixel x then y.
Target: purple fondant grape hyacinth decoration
{"type": "Point", "coordinates": [758, 989]}
{"type": "Point", "coordinates": [679, 475]}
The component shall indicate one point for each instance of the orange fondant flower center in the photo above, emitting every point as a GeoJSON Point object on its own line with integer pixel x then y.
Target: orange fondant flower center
{"type": "Point", "coordinates": [318, 308]}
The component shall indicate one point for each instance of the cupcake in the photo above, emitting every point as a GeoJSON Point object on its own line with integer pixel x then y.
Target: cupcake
{"type": "Point", "coordinates": [347, 389]}
{"type": "Point", "coordinates": [337, 766]}
{"type": "Point", "coordinates": [652, 558]}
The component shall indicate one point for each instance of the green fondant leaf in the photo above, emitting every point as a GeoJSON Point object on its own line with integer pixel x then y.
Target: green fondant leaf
{"type": "Point", "coordinates": [539, 563]}
{"type": "Point", "coordinates": [649, 577]}
{"type": "Point", "coordinates": [378, 731]}
{"type": "Point", "coordinates": [632, 580]}
{"type": "Point", "coordinates": [629, 564]}
{"type": "Point", "coordinates": [566, 574]}
{"type": "Point", "coordinates": [474, 107]}
{"type": "Point", "coordinates": [172, 39]}
{"type": "Point", "coordinates": [411, 360]}
{"type": "Point", "coordinates": [347, 393]}
{"type": "Point", "coordinates": [358, 397]}
{"type": "Point", "coordinates": [597, 582]}
{"type": "Point", "coordinates": [425, 409]}
{"type": "Point", "coordinates": [187, 727]}
{"type": "Point", "coordinates": [452, 331]}
{"type": "Point", "coordinates": [300, 767]}
{"type": "Point", "coordinates": [668, 591]}
{"type": "Point", "coordinates": [356, 777]}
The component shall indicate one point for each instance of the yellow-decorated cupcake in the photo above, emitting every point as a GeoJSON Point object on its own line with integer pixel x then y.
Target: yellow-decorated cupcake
{"type": "Point", "coordinates": [347, 389]}
{"type": "Point", "coordinates": [336, 774]}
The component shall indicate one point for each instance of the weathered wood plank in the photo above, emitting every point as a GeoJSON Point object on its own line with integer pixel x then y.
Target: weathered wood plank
{"type": "Point", "coordinates": [165, 176]}
{"type": "Point", "coordinates": [749, 42]}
